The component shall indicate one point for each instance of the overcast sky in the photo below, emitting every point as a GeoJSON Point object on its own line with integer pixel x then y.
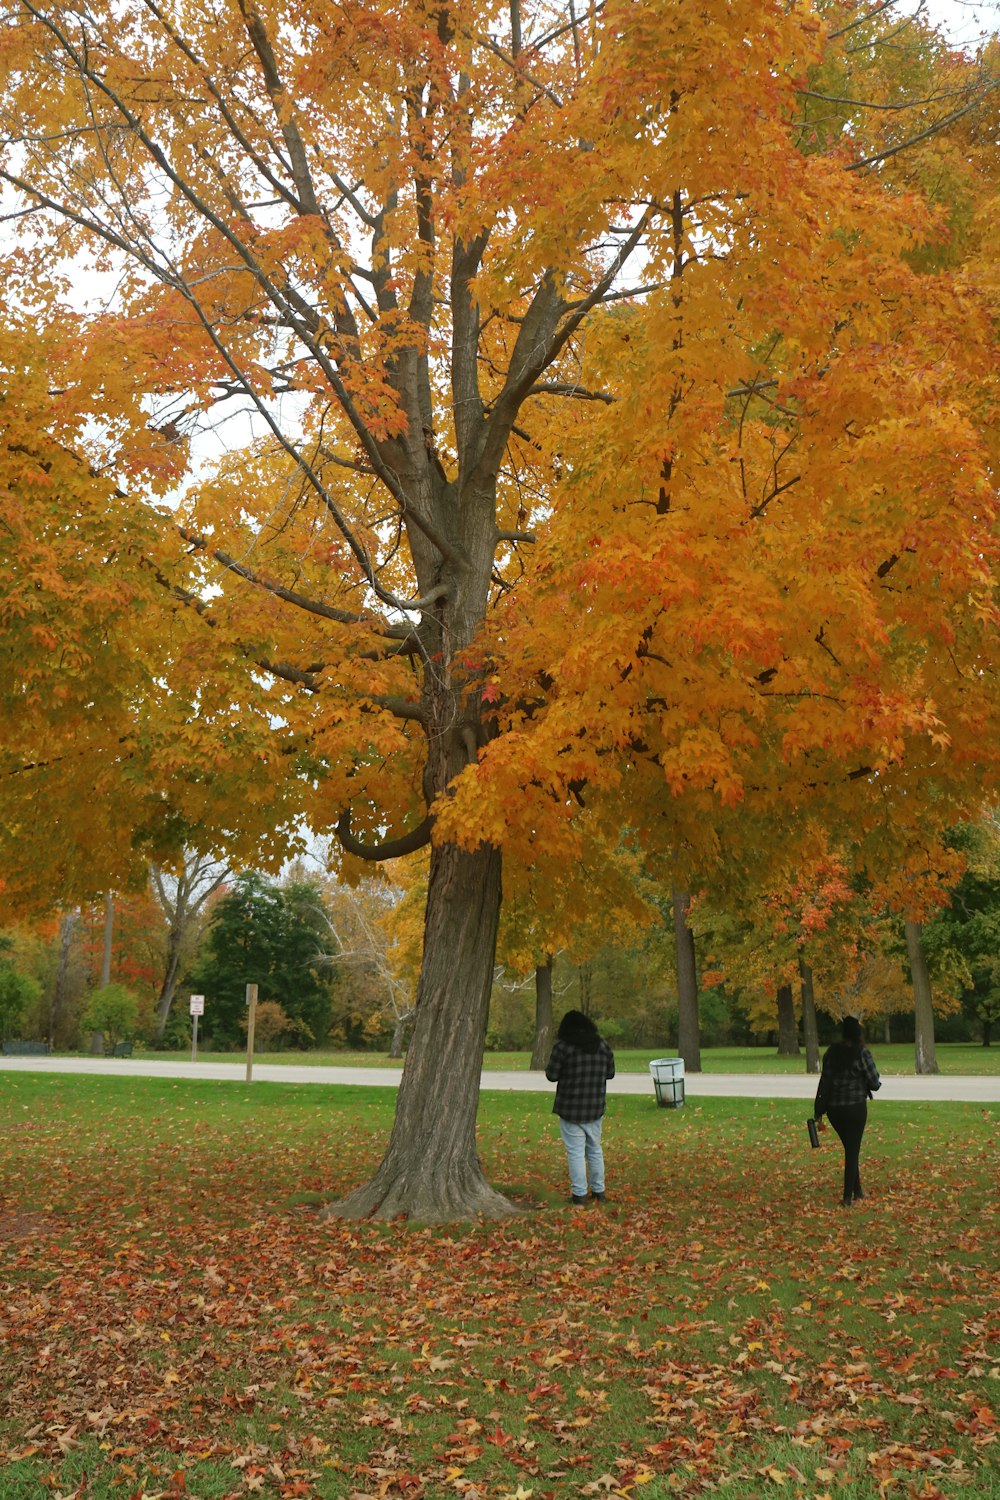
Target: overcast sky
{"type": "Point", "coordinates": [965, 20]}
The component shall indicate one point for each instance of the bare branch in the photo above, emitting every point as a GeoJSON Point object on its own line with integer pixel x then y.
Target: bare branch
{"type": "Point", "coordinates": [863, 20]}
{"type": "Point", "coordinates": [870, 104]}
{"type": "Point", "coordinates": [923, 135]}
{"type": "Point", "coordinates": [543, 88]}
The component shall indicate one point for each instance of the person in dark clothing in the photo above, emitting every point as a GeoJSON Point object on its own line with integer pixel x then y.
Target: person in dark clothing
{"type": "Point", "coordinates": [847, 1082]}
{"type": "Point", "coordinates": [580, 1066]}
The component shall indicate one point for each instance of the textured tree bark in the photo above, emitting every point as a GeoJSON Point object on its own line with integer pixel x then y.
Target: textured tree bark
{"type": "Point", "coordinates": [543, 1016]}
{"type": "Point", "coordinates": [688, 1032]}
{"type": "Point", "coordinates": [925, 1058]}
{"type": "Point", "coordinates": [788, 1031]}
{"type": "Point", "coordinates": [809, 1028]}
{"type": "Point", "coordinates": [431, 1170]}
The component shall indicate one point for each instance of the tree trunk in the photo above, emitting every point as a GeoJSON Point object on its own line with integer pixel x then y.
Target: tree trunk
{"type": "Point", "coordinates": [109, 933]}
{"type": "Point", "coordinates": [788, 1031]}
{"type": "Point", "coordinates": [60, 990]}
{"type": "Point", "coordinates": [887, 1031]}
{"type": "Point", "coordinates": [97, 1037]}
{"type": "Point", "coordinates": [198, 880]}
{"type": "Point", "coordinates": [168, 988]}
{"type": "Point", "coordinates": [688, 1033]}
{"type": "Point", "coordinates": [925, 1060]}
{"type": "Point", "coordinates": [585, 975]}
{"type": "Point", "coordinates": [399, 1035]}
{"type": "Point", "coordinates": [543, 1015]}
{"type": "Point", "coordinates": [431, 1170]}
{"type": "Point", "coordinates": [809, 1028]}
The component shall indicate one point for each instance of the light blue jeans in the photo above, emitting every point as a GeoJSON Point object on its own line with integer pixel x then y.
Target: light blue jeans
{"type": "Point", "coordinates": [584, 1155]}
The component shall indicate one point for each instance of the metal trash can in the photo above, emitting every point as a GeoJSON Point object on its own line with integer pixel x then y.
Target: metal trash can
{"type": "Point", "coordinates": [668, 1080]}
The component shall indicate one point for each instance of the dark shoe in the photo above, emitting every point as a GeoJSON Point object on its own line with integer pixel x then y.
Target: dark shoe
{"type": "Point", "coordinates": [597, 1197]}
{"type": "Point", "coordinates": [858, 1196]}
{"type": "Point", "coordinates": [847, 1203]}
{"type": "Point", "coordinates": [575, 1199]}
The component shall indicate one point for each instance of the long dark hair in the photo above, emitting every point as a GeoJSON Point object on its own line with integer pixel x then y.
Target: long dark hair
{"type": "Point", "coordinates": [850, 1030]}
{"type": "Point", "coordinates": [845, 1055]}
{"type": "Point", "coordinates": [578, 1030]}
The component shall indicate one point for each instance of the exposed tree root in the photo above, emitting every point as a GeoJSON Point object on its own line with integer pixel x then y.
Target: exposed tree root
{"type": "Point", "coordinates": [390, 1195]}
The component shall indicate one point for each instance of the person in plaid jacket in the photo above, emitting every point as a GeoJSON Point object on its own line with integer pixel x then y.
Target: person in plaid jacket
{"type": "Point", "coordinates": [847, 1082]}
{"type": "Point", "coordinates": [580, 1066]}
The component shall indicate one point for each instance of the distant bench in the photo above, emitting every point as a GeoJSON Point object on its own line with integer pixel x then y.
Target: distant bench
{"type": "Point", "coordinates": [42, 1049]}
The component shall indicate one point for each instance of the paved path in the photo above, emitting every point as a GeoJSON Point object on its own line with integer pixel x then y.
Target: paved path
{"type": "Point", "coordinates": [698, 1085]}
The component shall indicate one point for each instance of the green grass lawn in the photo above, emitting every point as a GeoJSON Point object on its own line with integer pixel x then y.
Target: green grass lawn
{"type": "Point", "coordinates": [177, 1322]}
{"type": "Point", "coordinates": [897, 1059]}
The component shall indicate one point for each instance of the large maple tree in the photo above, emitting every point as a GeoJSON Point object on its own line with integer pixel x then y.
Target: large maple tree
{"type": "Point", "coordinates": [558, 422]}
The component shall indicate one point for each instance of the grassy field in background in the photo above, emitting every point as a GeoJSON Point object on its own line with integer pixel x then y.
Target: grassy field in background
{"type": "Point", "coordinates": [953, 1057]}
{"type": "Point", "coordinates": [178, 1322]}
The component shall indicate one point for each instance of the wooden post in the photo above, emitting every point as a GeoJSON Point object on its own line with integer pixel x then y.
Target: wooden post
{"type": "Point", "coordinates": [251, 1021]}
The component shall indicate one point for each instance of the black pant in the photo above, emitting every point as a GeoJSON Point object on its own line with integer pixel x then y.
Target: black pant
{"type": "Point", "coordinates": [849, 1121]}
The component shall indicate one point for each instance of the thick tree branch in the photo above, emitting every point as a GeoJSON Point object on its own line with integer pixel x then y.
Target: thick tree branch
{"type": "Point", "coordinates": [399, 707]}
{"type": "Point", "coordinates": [290, 596]}
{"type": "Point", "coordinates": [542, 337]}
{"type": "Point", "coordinates": [232, 125]}
{"type": "Point", "coordinates": [516, 536]}
{"type": "Point", "coordinates": [307, 678]}
{"type": "Point", "coordinates": [418, 838]}
{"type": "Point", "coordinates": [563, 388]}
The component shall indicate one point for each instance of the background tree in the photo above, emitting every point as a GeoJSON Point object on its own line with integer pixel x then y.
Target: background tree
{"type": "Point", "coordinates": [18, 992]}
{"type": "Point", "coordinates": [923, 1002]}
{"type": "Point", "coordinates": [962, 941]}
{"type": "Point", "coordinates": [271, 1025]}
{"type": "Point", "coordinates": [366, 923]}
{"type": "Point", "coordinates": [113, 1013]}
{"type": "Point", "coordinates": [273, 936]}
{"type": "Point", "coordinates": [182, 894]}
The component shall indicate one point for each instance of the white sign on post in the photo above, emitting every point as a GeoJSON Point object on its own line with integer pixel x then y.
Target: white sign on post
{"type": "Point", "coordinates": [197, 1007]}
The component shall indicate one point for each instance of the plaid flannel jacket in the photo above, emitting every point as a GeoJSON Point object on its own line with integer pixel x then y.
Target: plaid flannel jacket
{"type": "Point", "coordinates": [580, 1079]}
{"type": "Point", "coordinates": [851, 1085]}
